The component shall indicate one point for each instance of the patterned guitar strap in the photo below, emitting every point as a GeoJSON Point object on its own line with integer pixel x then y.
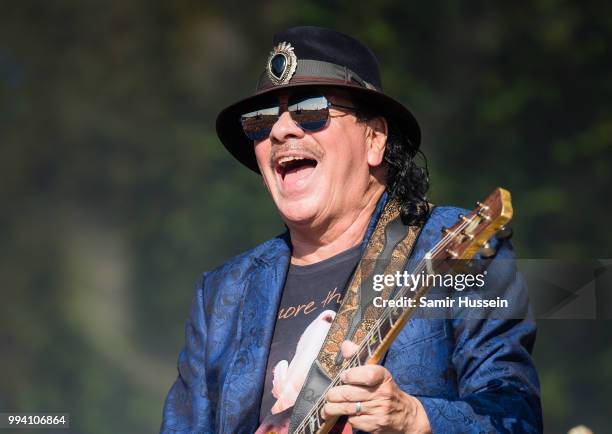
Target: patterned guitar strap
{"type": "Point", "coordinates": [387, 251]}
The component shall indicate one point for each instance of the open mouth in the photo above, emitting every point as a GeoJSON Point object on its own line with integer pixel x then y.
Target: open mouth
{"type": "Point", "coordinates": [295, 166]}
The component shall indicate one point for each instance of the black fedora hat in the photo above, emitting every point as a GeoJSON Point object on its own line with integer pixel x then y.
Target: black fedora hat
{"type": "Point", "coordinates": [315, 56]}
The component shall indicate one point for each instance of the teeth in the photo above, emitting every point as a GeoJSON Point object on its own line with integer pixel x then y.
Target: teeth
{"type": "Point", "coordinates": [285, 160]}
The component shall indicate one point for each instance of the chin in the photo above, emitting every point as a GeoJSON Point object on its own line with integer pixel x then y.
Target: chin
{"type": "Point", "coordinates": [300, 210]}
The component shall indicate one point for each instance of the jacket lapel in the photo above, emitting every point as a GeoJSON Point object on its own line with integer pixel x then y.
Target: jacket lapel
{"type": "Point", "coordinates": [244, 385]}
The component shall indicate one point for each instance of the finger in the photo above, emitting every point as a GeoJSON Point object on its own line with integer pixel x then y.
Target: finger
{"type": "Point", "coordinates": [333, 409]}
{"type": "Point", "coordinates": [368, 375]}
{"type": "Point", "coordinates": [349, 393]}
{"type": "Point", "coordinates": [348, 348]}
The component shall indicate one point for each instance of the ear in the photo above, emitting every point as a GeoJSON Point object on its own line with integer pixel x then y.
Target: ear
{"type": "Point", "coordinates": [376, 140]}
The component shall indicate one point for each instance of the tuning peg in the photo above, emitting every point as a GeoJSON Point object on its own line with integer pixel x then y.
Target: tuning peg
{"type": "Point", "coordinates": [504, 233]}
{"type": "Point", "coordinates": [482, 205]}
{"type": "Point", "coordinates": [445, 231]}
{"type": "Point", "coordinates": [451, 253]}
{"type": "Point", "coordinates": [467, 235]}
{"type": "Point", "coordinates": [487, 251]}
{"type": "Point", "coordinates": [483, 215]}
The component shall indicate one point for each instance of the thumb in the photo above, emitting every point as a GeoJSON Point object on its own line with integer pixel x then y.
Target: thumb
{"type": "Point", "coordinates": [348, 348]}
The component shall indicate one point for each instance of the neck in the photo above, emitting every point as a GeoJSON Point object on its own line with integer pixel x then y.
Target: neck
{"type": "Point", "coordinates": [312, 244]}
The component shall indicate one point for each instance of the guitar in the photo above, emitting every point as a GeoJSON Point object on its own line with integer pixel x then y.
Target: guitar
{"type": "Point", "coordinates": [463, 240]}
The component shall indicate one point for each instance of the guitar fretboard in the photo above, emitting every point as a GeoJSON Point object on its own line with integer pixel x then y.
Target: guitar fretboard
{"type": "Point", "coordinates": [461, 241]}
{"type": "Point", "coordinates": [392, 318]}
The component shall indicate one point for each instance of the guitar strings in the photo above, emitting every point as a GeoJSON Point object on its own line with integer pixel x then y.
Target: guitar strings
{"type": "Point", "coordinates": [355, 358]}
{"type": "Point", "coordinates": [441, 244]}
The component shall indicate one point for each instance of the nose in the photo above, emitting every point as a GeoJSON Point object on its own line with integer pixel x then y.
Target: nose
{"type": "Point", "coordinates": [285, 128]}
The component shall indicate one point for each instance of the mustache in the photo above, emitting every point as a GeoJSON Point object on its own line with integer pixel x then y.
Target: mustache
{"type": "Point", "coordinates": [310, 151]}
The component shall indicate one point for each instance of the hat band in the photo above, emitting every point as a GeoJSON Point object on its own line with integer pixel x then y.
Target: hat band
{"type": "Point", "coordinates": [317, 71]}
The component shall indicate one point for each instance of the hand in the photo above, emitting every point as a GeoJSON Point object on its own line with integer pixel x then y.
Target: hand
{"type": "Point", "coordinates": [385, 408]}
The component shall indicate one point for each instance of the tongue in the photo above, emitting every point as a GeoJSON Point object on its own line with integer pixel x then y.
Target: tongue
{"type": "Point", "coordinates": [296, 176]}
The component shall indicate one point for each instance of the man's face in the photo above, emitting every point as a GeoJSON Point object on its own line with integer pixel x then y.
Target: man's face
{"type": "Point", "coordinates": [316, 177]}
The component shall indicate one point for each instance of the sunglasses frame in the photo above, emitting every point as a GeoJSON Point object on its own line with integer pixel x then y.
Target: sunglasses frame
{"type": "Point", "coordinates": [265, 132]}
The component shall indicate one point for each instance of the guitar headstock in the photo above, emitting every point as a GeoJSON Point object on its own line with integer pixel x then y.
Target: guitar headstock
{"type": "Point", "coordinates": [471, 232]}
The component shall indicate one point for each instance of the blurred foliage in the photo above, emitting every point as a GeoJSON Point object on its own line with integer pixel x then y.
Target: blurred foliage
{"type": "Point", "coordinates": [116, 192]}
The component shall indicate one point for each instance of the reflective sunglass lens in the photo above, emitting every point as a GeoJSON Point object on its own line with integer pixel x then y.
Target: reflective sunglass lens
{"type": "Point", "coordinates": [306, 102]}
{"type": "Point", "coordinates": [258, 124]}
{"type": "Point", "coordinates": [258, 134]}
{"type": "Point", "coordinates": [309, 111]}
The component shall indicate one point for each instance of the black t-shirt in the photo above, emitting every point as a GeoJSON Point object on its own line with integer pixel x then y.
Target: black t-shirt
{"type": "Point", "coordinates": [310, 300]}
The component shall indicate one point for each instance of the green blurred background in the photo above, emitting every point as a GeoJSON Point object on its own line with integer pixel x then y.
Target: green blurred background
{"type": "Point", "coordinates": [116, 193]}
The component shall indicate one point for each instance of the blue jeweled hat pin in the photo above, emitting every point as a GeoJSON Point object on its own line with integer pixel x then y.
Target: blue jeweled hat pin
{"type": "Point", "coordinates": [281, 64]}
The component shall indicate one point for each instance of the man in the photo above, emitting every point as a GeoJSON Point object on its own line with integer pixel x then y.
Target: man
{"type": "Point", "coordinates": [336, 153]}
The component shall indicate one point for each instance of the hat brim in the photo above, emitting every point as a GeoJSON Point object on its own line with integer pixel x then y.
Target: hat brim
{"type": "Point", "coordinates": [241, 147]}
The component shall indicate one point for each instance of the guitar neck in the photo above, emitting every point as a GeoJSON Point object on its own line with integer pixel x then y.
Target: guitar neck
{"type": "Point", "coordinates": [371, 350]}
{"type": "Point", "coordinates": [461, 241]}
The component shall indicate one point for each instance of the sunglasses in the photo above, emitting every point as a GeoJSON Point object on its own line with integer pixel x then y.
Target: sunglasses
{"type": "Point", "coordinates": [309, 111]}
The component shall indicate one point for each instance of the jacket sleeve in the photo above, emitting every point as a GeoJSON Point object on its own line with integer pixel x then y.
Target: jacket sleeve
{"type": "Point", "coordinates": [498, 385]}
{"type": "Point", "coordinates": [187, 408]}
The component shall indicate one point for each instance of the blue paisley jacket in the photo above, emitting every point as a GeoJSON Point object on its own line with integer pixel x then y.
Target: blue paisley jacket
{"type": "Point", "coordinates": [471, 375]}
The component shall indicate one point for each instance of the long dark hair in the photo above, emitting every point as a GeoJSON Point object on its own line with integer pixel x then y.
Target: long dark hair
{"type": "Point", "coordinates": [407, 182]}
